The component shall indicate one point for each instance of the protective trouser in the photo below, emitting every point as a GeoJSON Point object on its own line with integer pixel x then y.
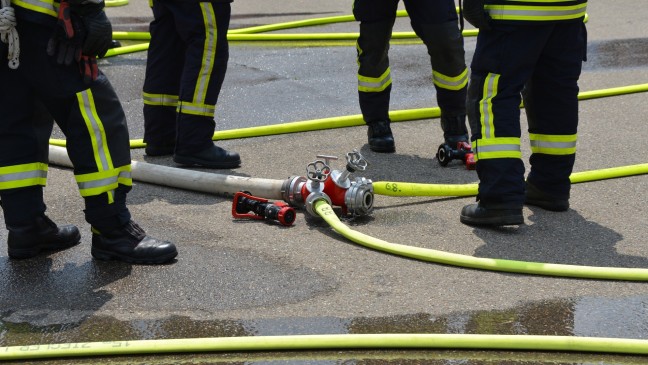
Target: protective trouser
{"type": "Point", "coordinates": [435, 22]}
{"type": "Point", "coordinates": [186, 65]}
{"type": "Point", "coordinates": [94, 124]}
{"type": "Point", "coordinates": [541, 62]}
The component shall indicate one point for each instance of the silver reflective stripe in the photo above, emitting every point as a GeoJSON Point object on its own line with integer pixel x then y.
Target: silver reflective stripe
{"type": "Point", "coordinates": [546, 144]}
{"type": "Point", "coordinates": [497, 148]}
{"type": "Point", "coordinates": [378, 85]}
{"type": "Point", "coordinates": [450, 84]}
{"type": "Point", "coordinates": [209, 53]}
{"type": "Point", "coordinates": [168, 100]}
{"type": "Point", "coordinates": [530, 12]}
{"type": "Point", "coordinates": [486, 104]}
{"type": "Point", "coordinates": [16, 176]}
{"type": "Point", "coordinates": [97, 183]}
{"type": "Point", "coordinates": [193, 109]}
{"type": "Point", "coordinates": [95, 130]}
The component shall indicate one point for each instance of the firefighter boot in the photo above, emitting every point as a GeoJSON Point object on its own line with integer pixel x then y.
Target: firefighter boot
{"type": "Point", "coordinates": [131, 244]}
{"type": "Point", "coordinates": [535, 196]}
{"type": "Point", "coordinates": [380, 136]}
{"type": "Point", "coordinates": [41, 235]}
{"type": "Point", "coordinates": [213, 157]}
{"type": "Point", "coordinates": [478, 215]}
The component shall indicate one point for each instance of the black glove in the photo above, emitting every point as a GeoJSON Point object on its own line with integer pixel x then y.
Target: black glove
{"type": "Point", "coordinates": [98, 34]}
{"type": "Point", "coordinates": [474, 13]}
{"type": "Point", "coordinates": [67, 41]}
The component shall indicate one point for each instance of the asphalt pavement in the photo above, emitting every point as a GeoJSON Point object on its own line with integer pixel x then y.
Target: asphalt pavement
{"type": "Point", "coordinates": [236, 277]}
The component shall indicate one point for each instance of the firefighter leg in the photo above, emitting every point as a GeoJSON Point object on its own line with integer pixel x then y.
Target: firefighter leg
{"type": "Point", "coordinates": [203, 28]}
{"type": "Point", "coordinates": [24, 134]}
{"type": "Point", "coordinates": [551, 105]}
{"type": "Point", "coordinates": [374, 83]}
{"type": "Point", "coordinates": [164, 65]}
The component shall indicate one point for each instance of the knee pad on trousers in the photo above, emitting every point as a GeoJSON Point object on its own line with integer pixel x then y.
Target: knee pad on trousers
{"type": "Point", "coordinates": [445, 46]}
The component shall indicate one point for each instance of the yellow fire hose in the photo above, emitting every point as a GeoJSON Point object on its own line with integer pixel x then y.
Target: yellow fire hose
{"type": "Point", "coordinates": [331, 342]}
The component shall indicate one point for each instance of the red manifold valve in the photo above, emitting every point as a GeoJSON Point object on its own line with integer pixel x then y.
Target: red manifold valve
{"type": "Point", "coordinates": [355, 197]}
{"type": "Point", "coordinates": [247, 206]}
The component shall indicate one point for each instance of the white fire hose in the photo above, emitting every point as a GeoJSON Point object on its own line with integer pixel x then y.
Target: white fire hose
{"type": "Point", "coordinates": [223, 185]}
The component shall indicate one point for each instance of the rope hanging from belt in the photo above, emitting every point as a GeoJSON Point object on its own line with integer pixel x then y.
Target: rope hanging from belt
{"type": "Point", "coordinates": [8, 32]}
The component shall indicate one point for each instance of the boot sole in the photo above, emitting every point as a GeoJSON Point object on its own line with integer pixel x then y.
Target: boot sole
{"type": "Point", "coordinates": [190, 161]}
{"type": "Point", "coordinates": [510, 220]}
{"type": "Point", "coordinates": [21, 254]}
{"type": "Point", "coordinates": [111, 256]}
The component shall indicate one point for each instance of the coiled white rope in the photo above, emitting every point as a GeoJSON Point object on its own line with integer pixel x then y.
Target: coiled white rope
{"type": "Point", "coordinates": [8, 33]}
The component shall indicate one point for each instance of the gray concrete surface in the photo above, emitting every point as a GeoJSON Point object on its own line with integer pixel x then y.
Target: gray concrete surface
{"type": "Point", "coordinates": [235, 277]}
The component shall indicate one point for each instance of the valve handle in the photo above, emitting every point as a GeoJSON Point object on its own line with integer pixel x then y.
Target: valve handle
{"type": "Point", "coordinates": [356, 161]}
{"type": "Point", "coordinates": [317, 171]}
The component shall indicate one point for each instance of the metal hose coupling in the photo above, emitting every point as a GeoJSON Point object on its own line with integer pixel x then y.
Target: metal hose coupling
{"type": "Point", "coordinates": [355, 196]}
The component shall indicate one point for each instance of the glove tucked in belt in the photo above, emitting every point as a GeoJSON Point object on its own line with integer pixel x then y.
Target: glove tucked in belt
{"type": "Point", "coordinates": [82, 33]}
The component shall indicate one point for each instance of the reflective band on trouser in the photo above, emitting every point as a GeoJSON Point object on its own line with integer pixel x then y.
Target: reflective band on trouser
{"type": "Point", "coordinates": [160, 99]}
{"type": "Point", "coordinates": [48, 7]}
{"type": "Point", "coordinates": [20, 176]}
{"type": "Point", "coordinates": [374, 84]}
{"type": "Point", "coordinates": [558, 145]}
{"type": "Point", "coordinates": [100, 181]}
{"type": "Point", "coordinates": [208, 56]}
{"type": "Point", "coordinates": [96, 183]}
{"type": "Point", "coordinates": [499, 147]}
{"type": "Point", "coordinates": [204, 110]}
{"type": "Point", "coordinates": [449, 82]}
{"type": "Point", "coordinates": [536, 13]}
{"type": "Point", "coordinates": [486, 117]}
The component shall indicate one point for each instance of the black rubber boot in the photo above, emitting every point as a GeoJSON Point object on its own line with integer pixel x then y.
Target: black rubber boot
{"type": "Point", "coordinates": [42, 235]}
{"type": "Point", "coordinates": [478, 215]}
{"type": "Point", "coordinates": [213, 157]}
{"type": "Point", "coordinates": [380, 137]}
{"type": "Point", "coordinates": [131, 244]}
{"type": "Point", "coordinates": [536, 197]}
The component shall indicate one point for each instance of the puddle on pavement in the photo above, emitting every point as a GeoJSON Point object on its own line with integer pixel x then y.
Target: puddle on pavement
{"type": "Point", "coordinates": [618, 53]}
{"type": "Point", "coordinates": [587, 316]}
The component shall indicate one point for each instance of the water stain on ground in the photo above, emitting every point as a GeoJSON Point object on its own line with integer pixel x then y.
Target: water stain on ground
{"type": "Point", "coordinates": [583, 317]}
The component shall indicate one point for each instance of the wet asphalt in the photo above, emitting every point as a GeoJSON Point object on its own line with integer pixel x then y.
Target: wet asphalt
{"type": "Point", "coordinates": [249, 278]}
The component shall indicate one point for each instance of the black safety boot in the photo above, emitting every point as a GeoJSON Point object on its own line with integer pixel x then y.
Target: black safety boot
{"type": "Point", "coordinates": [153, 149]}
{"type": "Point", "coordinates": [213, 157]}
{"type": "Point", "coordinates": [478, 215]}
{"type": "Point", "coordinates": [42, 235]}
{"type": "Point", "coordinates": [131, 244]}
{"type": "Point", "coordinates": [380, 137]}
{"type": "Point", "coordinates": [535, 196]}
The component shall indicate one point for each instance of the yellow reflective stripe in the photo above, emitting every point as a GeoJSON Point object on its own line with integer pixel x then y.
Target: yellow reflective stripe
{"type": "Point", "coordinates": [20, 176]}
{"type": "Point", "coordinates": [498, 147]}
{"type": "Point", "coordinates": [486, 117]}
{"type": "Point", "coordinates": [96, 183]}
{"type": "Point", "coordinates": [48, 7]}
{"type": "Point", "coordinates": [374, 84]}
{"type": "Point", "coordinates": [553, 144]}
{"type": "Point", "coordinates": [95, 129]}
{"type": "Point", "coordinates": [160, 99]}
{"type": "Point", "coordinates": [536, 13]}
{"type": "Point", "coordinates": [196, 109]}
{"type": "Point", "coordinates": [449, 82]}
{"type": "Point", "coordinates": [209, 53]}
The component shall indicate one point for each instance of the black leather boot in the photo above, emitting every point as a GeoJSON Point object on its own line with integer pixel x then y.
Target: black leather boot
{"type": "Point", "coordinates": [213, 157]}
{"type": "Point", "coordinates": [478, 215]}
{"type": "Point", "coordinates": [42, 235]}
{"type": "Point", "coordinates": [380, 137]}
{"type": "Point", "coordinates": [536, 197]}
{"type": "Point", "coordinates": [131, 244]}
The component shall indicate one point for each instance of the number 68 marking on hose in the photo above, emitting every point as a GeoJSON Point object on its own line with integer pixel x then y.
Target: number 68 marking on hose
{"type": "Point", "coordinates": [392, 187]}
